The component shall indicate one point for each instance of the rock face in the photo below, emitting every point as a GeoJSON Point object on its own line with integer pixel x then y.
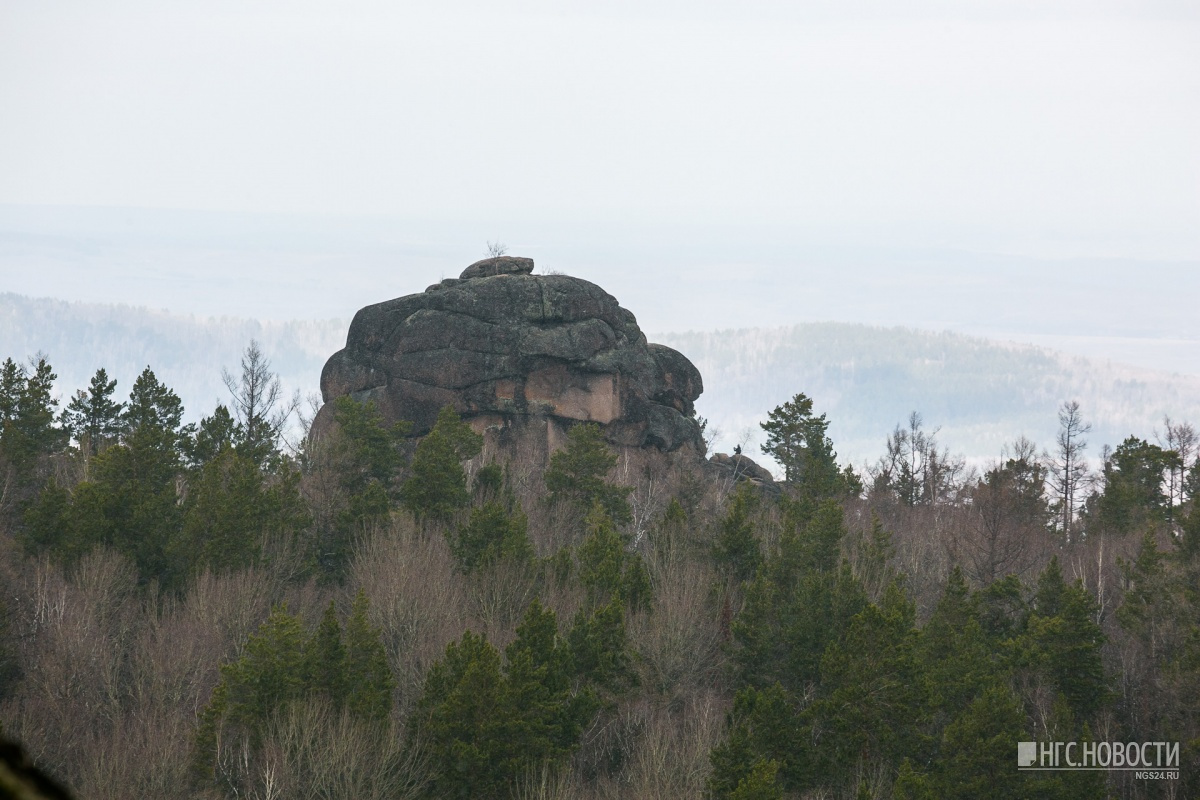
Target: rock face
{"type": "Point", "coordinates": [507, 348]}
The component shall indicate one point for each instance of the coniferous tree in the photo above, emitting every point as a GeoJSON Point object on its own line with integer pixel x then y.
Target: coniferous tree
{"type": "Point", "coordinates": [10, 668]}
{"type": "Point", "coordinates": [132, 504]}
{"type": "Point", "coordinates": [360, 464]}
{"type": "Point", "coordinates": [493, 532]}
{"type": "Point", "coordinates": [736, 550]}
{"type": "Point", "coordinates": [1133, 494]}
{"type": "Point", "coordinates": [12, 385]}
{"type": "Point", "coordinates": [325, 659]}
{"type": "Point", "coordinates": [957, 660]}
{"type": "Point", "coordinates": [49, 525]}
{"type": "Point", "coordinates": [269, 674]}
{"type": "Point", "coordinates": [214, 435]}
{"type": "Point", "coordinates": [872, 701]}
{"type": "Point", "coordinates": [978, 749]}
{"type": "Point", "coordinates": [1066, 641]}
{"type": "Point", "coordinates": [797, 440]}
{"type": "Point", "coordinates": [27, 414]}
{"type": "Point", "coordinates": [438, 484]}
{"type": "Point", "coordinates": [607, 570]}
{"type": "Point", "coordinates": [576, 475]}
{"type": "Point", "coordinates": [548, 713]}
{"type": "Point", "coordinates": [92, 417]}
{"type": "Point", "coordinates": [368, 677]}
{"type": "Point", "coordinates": [600, 647]}
{"type": "Point", "coordinates": [764, 730]}
{"type": "Point", "coordinates": [762, 783]}
{"type": "Point", "coordinates": [153, 410]}
{"type": "Point", "coordinates": [232, 509]}
{"type": "Point", "coordinates": [460, 721]}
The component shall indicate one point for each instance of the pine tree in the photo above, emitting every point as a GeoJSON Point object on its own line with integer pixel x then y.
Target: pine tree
{"type": "Point", "coordinates": [1133, 494]}
{"type": "Point", "coordinates": [225, 516]}
{"type": "Point", "coordinates": [547, 715]}
{"type": "Point", "coordinates": [493, 532]}
{"type": "Point", "coordinates": [1064, 639]}
{"type": "Point", "coordinates": [268, 675]}
{"type": "Point", "coordinates": [873, 703]}
{"type": "Point", "coordinates": [600, 647]}
{"type": "Point", "coordinates": [369, 680]}
{"type": "Point", "coordinates": [438, 485]}
{"type": "Point", "coordinates": [764, 729]}
{"type": "Point", "coordinates": [911, 784]}
{"type": "Point", "coordinates": [607, 570]}
{"type": "Point", "coordinates": [27, 430]}
{"type": "Point", "coordinates": [12, 385]}
{"type": "Point", "coordinates": [761, 784]}
{"type": "Point", "coordinates": [231, 510]}
{"type": "Point", "coordinates": [153, 410]}
{"type": "Point", "coordinates": [957, 660]}
{"type": "Point", "coordinates": [361, 463]}
{"type": "Point", "coordinates": [736, 549]}
{"type": "Point", "coordinates": [50, 525]}
{"type": "Point", "coordinates": [797, 440]}
{"type": "Point", "coordinates": [215, 433]}
{"type": "Point", "coordinates": [460, 721]}
{"type": "Point", "coordinates": [10, 665]}
{"type": "Point", "coordinates": [325, 659]}
{"type": "Point", "coordinates": [132, 505]}
{"type": "Point", "coordinates": [92, 418]}
{"type": "Point", "coordinates": [978, 749]}
{"type": "Point", "coordinates": [576, 475]}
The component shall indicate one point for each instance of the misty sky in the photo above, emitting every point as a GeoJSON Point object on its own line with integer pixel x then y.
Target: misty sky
{"type": "Point", "coordinates": [964, 165]}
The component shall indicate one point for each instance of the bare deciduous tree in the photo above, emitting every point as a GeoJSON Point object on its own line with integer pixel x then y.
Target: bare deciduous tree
{"type": "Point", "coordinates": [1068, 469]}
{"type": "Point", "coordinates": [258, 401]}
{"type": "Point", "coordinates": [915, 470]}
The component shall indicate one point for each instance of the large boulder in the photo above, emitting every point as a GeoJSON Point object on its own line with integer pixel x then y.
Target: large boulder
{"type": "Point", "coordinates": [507, 348]}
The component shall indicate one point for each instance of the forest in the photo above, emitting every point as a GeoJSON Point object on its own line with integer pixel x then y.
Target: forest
{"type": "Point", "coordinates": [224, 610]}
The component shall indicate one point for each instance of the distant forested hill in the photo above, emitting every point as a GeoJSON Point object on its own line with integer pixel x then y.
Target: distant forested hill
{"type": "Point", "coordinates": [981, 393]}
{"type": "Point", "coordinates": [187, 353]}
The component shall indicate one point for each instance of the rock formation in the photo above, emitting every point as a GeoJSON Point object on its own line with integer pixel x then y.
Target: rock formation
{"type": "Point", "coordinates": [741, 468]}
{"type": "Point", "coordinates": [511, 350]}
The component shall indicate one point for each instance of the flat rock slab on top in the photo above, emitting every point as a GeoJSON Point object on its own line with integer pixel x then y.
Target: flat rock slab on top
{"type": "Point", "coordinates": [498, 265]}
{"type": "Point", "coordinates": [500, 344]}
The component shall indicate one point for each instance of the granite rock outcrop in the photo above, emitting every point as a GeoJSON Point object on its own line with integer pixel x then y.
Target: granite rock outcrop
{"type": "Point", "coordinates": [507, 348]}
